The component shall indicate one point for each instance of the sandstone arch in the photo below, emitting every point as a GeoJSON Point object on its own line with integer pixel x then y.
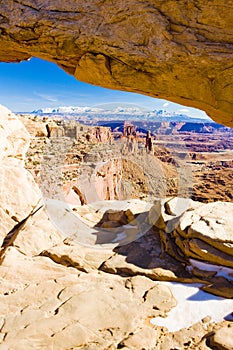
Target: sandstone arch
{"type": "Point", "coordinates": [178, 50]}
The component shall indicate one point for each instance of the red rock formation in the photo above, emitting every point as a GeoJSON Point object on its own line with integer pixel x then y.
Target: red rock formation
{"type": "Point", "coordinates": [55, 130]}
{"type": "Point", "coordinates": [99, 134]}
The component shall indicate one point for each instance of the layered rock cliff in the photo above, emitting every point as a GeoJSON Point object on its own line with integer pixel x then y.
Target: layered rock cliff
{"type": "Point", "coordinates": [178, 50]}
{"type": "Point", "coordinates": [56, 293]}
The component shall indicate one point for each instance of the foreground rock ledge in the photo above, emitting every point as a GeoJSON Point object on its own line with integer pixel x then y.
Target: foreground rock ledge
{"type": "Point", "coordinates": [154, 48]}
{"type": "Point", "coordinates": [55, 295]}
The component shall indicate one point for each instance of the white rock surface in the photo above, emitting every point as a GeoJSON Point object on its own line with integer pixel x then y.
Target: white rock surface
{"type": "Point", "coordinates": [19, 195]}
{"type": "Point", "coordinates": [13, 135]}
{"type": "Point", "coordinates": [211, 221]}
{"type": "Point", "coordinates": [78, 223]}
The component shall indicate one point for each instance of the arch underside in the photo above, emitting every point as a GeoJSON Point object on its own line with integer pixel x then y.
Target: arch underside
{"type": "Point", "coordinates": [181, 51]}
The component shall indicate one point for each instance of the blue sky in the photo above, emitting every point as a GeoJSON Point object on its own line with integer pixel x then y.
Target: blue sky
{"type": "Point", "coordinates": [34, 84]}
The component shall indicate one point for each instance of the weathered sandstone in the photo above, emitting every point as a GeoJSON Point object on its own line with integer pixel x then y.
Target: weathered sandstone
{"type": "Point", "coordinates": [19, 195]}
{"type": "Point", "coordinates": [100, 180]}
{"type": "Point", "coordinates": [99, 134]}
{"type": "Point", "coordinates": [222, 338]}
{"type": "Point", "coordinates": [198, 231]}
{"type": "Point", "coordinates": [14, 136]}
{"type": "Point", "coordinates": [36, 234]}
{"type": "Point", "coordinates": [169, 49]}
{"type": "Point", "coordinates": [57, 307]}
{"type": "Point", "coordinates": [207, 232]}
{"type": "Point", "coordinates": [201, 229]}
{"type": "Point", "coordinates": [34, 125]}
{"type": "Point", "coordinates": [56, 294]}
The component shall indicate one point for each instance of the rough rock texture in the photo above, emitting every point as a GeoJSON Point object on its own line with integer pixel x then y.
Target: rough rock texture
{"type": "Point", "coordinates": [99, 134]}
{"type": "Point", "coordinates": [206, 233]}
{"type": "Point", "coordinates": [222, 338]}
{"type": "Point", "coordinates": [155, 48]}
{"type": "Point", "coordinates": [71, 309]}
{"type": "Point", "coordinates": [199, 336]}
{"type": "Point", "coordinates": [100, 180]}
{"type": "Point", "coordinates": [19, 195]}
{"type": "Point", "coordinates": [55, 130]}
{"type": "Point", "coordinates": [201, 231]}
{"type": "Point", "coordinates": [14, 137]}
{"type": "Point", "coordinates": [190, 229]}
{"type": "Point", "coordinates": [55, 294]}
{"type": "Point", "coordinates": [35, 234]}
{"type": "Point", "coordinates": [35, 125]}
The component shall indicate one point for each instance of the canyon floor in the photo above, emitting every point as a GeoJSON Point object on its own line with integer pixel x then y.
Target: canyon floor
{"type": "Point", "coordinates": [184, 164]}
{"type": "Point", "coordinates": [82, 273]}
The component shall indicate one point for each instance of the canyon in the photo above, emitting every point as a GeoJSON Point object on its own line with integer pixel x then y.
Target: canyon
{"type": "Point", "coordinates": [78, 263]}
{"type": "Point", "coordinates": [194, 163]}
{"type": "Point", "coordinates": [99, 272]}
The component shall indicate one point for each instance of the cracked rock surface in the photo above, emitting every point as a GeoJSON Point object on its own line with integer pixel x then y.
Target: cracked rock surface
{"type": "Point", "coordinates": [154, 48]}
{"type": "Point", "coordinates": [56, 294]}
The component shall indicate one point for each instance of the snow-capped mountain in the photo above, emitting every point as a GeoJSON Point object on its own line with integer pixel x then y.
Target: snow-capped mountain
{"type": "Point", "coordinates": [93, 110]}
{"type": "Point", "coordinates": [126, 111]}
{"type": "Point", "coordinates": [68, 110]}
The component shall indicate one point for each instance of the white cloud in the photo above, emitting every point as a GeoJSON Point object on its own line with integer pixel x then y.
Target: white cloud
{"type": "Point", "coordinates": [46, 97]}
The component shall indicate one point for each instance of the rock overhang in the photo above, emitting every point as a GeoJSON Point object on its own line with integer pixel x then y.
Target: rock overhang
{"type": "Point", "coordinates": [179, 51]}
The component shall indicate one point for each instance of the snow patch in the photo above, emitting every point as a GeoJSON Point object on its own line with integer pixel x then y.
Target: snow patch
{"type": "Point", "coordinates": [226, 272]}
{"type": "Point", "coordinates": [192, 306]}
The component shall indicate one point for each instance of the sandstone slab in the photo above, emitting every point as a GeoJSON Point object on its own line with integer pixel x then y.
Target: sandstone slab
{"type": "Point", "coordinates": [81, 257]}
{"type": "Point", "coordinates": [156, 50]}
{"type": "Point", "coordinates": [211, 221]}
{"type": "Point", "coordinates": [14, 136]}
{"type": "Point", "coordinates": [203, 232]}
{"type": "Point", "coordinates": [145, 257]}
{"type": "Point", "coordinates": [177, 206]}
{"type": "Point", "coordinates": [57, 307]}
{"type": "Point", "coordinates": [36, 234]}
{"type": "Point", "coordinates": [222, 338]}
{"type": "Point", "coordinates": [19, 195]}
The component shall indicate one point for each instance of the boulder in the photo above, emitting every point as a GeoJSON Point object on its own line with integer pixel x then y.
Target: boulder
{"type": "Point", "coordinates": [203, 231]}
{"type": "Point", "coordinates": [209, 222]}
{"type": "Point", "coordinates": [222, 338]}
{"type": "Point", "coordinates": [206, 233]}
{"type": "Point", "coordinates": [116, 218]}
{"type": "Point", "coordinates": [177, 206]}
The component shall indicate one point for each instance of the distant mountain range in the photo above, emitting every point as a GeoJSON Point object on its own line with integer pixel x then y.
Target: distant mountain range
{"type": "Point", "coordinates": [90, 110]}
{"type": "Point", "coordinates": [112, 111]}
